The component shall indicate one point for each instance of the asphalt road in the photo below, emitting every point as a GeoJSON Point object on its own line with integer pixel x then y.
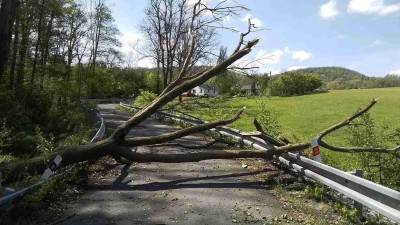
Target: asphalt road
{"type": "Point", "coordinates": [208, 192]}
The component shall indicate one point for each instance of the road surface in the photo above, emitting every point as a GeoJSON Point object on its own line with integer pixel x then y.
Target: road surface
{"type": "Point", "coordinates": [208, 192]}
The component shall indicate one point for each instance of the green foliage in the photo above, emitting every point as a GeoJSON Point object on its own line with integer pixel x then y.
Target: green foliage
{"type": "Point", "coordinates": [348, 213]}
{"type": "Point", "coordinates": [328, 74]}
{"type": "Point", "coordinates": [306, 116]}
{"type": "Point", "coordinates": [294, 83]}
{"type": "Point", "coordinates": [44, 145]}
{"type": "Point", "coordinates": [51, 196]}
{"type": "Point", "coordinates": [378, 167]}
{"type": "Point", "coordinates": [144, 99]}
{"type": "Point", "coordinates": [321, 193]}
{"type": "Point", "coordinates": [268, 120]}
{"type": "Point", "coordinates": [318, 193]}
{"type": "Point", "coordinates": [226, 83]}
{"type": "Point", "coordinates": [5, 136]}
{"type": "Point", "coordinates": [150, 79]}
{"type": "Point", "coordinates": [264, 82]}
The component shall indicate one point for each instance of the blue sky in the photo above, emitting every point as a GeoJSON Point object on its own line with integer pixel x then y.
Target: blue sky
{"type": "Point", "coordinates": [363, 35]}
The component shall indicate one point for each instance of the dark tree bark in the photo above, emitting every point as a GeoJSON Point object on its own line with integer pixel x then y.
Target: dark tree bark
{"type": "Point", "coordinates": [7, 17]}
{"type": "Point", "coordinates": [39, 38]}
{"type": "Point", "coordinates": [22, 52]}
{"type": "Point", "coordinates": [11, 78]}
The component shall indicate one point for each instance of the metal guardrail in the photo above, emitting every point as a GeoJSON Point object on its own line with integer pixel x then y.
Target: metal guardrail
{"type": "Point", "coordinates": [5, 199]}
{"type": "Point", "coordinates": [376, 197]}
{"type": "Point", "coordinates": [381, 199]}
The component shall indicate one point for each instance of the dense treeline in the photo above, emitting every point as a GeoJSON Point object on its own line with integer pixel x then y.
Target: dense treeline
{"type": "Point", "coordinates": [335, 78]}
{"type": "Point", "coordinates": [54, 53]}
{"type": "Point", "coordinates": [294, 83]}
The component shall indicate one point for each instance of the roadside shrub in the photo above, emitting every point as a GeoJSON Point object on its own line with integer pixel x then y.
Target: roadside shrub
{"type": "Point", "coordinates": [145, 98]}
{"type": "Point", "coordinates": [294, 83]}
{"type": "Point", "coordinates": [268, 120]}
{"type": "Point", "coordinates": [5, 136]}
{"type": "Point", "coordinates": [43, 145]}
{"type": "Point", "coordinates": [378, 167]}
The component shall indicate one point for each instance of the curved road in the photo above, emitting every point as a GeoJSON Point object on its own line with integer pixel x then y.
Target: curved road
{"type": "Point", "coordinates": [208, 192]}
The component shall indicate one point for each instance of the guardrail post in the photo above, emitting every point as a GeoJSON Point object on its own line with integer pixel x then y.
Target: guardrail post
{"type": "Point", "coordinates": [241, 143]}
{"type": "Point", "coordinates": [357, 205]}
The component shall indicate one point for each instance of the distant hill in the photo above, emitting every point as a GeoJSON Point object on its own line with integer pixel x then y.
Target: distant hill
{"type": "Point", "coordinates": [342, 78]}
{"type": "Point", "coordinates": [332, 73]}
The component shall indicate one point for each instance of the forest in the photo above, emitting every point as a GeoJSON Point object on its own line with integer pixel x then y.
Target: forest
{"type": "Point", "coordinates": [53, 54]}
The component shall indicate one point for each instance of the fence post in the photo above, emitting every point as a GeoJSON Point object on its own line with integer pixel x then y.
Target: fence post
{"type": "Point", "coordinates": [357, 205]}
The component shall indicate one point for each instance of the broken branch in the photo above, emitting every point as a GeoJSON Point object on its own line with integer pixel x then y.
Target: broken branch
{"type": "Point", "coordinates": [395, 151]}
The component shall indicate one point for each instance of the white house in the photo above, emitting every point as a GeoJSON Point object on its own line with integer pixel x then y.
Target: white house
{"type": "Point", "coordinates": [204, 90]}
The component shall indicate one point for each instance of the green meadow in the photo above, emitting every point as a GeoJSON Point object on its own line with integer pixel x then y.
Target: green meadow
{"type": "Point", "coordinates": [303, 117]}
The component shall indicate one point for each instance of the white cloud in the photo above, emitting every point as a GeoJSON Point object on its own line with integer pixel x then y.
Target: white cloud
{"type": "Point", "coordinates": [257, 22]}
{"type": "Point", "coordinates": [147, 63]}
{"type": "Point", "coordinates": [296, 68]}
{"type": "Point", "coordinates": [287, 49]}
{"type": "Point", "coordinates": [301, 55]}
{"type": "Point", "coordinates": [131, 58]}
{"type": "Point", "coordinates": [341, 36]}
{"type": "Point", "coordinates": [275, 72]}
{"type": "Point", "coordinates": [396, 72]}
{"type": "Point", "coordinates": [329, 10]}
{"type": "Point", "coordinates": [376, 43]}
{"type": "Point", "coordinates": [128, 39]}
{"type": "Point", "coordinates": [372, 7]}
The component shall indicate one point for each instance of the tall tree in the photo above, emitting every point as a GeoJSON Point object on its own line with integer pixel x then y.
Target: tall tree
{"type": "Point", "coordinates": [170, 28]}
{"type": "Point", "coordinates": [14, 52]}
{"type": "Point", "coordinates": [75, 31]}
{"type": "Point", "coordinates": [7, 16]}
{"type": "Point", "coordinates": [25, 17]}
{"type": "Point", "coordinates": [102, 33]}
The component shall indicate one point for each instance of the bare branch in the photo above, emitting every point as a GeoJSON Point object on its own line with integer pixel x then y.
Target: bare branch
{"type": "Point", "coordinates": [242, 35]}
{"type": "Point", "coordinates": [265, 136]}
{"type": "Point", "coordinates": [346, 122]}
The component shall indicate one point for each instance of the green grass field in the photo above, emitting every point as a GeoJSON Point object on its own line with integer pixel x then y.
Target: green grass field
{"type": "Point", "coordinates": [304, 117]}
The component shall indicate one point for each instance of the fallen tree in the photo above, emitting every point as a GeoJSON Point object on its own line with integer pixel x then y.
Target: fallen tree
{"type": "Point", "coordinates": [121, 148]}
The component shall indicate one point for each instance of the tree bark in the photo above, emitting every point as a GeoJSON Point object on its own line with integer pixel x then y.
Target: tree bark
{"type": "Point", "coordinates": [39, 37]}
{"type": "Point", "coordinates": [22, 54]}
{"type": "Point", "coordinates": [7, 17]}
{"type": "Point", "coordinates": [11, 78]}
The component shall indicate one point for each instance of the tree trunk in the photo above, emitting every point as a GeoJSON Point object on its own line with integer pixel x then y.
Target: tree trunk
{"type": "Point", "coordinates": [7, 17]}
{"type": "Point", "coordinates": [22, 54]}
{"type": "Point", "coordinates": [45, 49]}
{"type": "Point", "coordinates": [14, 52]}
{"type": "Point", "coordinates": [39, 36]}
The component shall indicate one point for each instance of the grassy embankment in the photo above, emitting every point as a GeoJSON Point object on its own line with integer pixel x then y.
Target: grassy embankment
{"type": "Point", "coordinates": [304, 117]}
